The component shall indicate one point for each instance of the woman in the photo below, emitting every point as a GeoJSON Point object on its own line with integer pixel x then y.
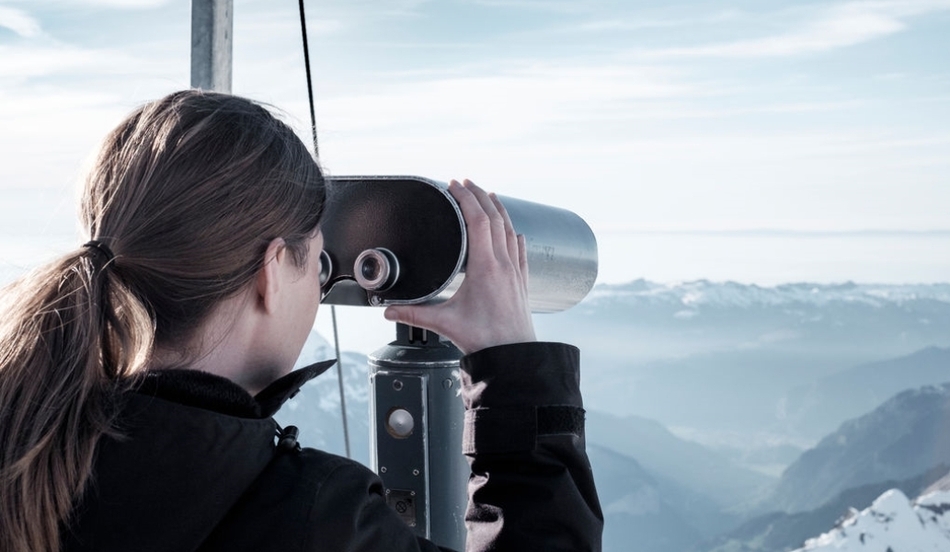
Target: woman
{"type": "Point", "coordinates": [139, 372]}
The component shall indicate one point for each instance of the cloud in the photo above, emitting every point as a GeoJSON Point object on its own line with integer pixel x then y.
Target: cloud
{"type": "Point", "coordinates": [836, 27]}
{"type": "Point", "coordinates": [508, 102]}
{"type": "Point", "coordinates": [360, 9]}
{"type": "Point", "coordinates": [121, 4]}
{"type": "Point", "coordinates": [600, 26]}
{"type": "Point", "coordinates": [19, 22]}
{"type": "Point", "coordinates": [19, 63]}
{"type": "Point", "coordinates": [542, 5]}
{"type": "Point", "coordinates": [45, 125]}
{"type": "Point", "coordinates": [264, 27]}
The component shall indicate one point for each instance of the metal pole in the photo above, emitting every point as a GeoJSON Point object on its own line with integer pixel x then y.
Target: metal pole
{"type": "Point", "coordinates": [416, 419]}
{"type": "Point", "coordinates": [339, 373]}
{"type": "Point", "coordinates": [212, 24]}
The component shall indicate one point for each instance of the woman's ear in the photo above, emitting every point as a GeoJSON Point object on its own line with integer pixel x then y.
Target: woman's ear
{"type": "Point", "coordinates": [269, 277]}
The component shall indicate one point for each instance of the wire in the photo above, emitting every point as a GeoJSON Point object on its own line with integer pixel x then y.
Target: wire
{"type": "Point", "coordinates": [306, 61]}
{"type": "Point", "coordinates": [316, 153]}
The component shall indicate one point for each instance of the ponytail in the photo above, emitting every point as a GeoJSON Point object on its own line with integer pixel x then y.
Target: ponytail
{"type": "Point", "coordinates": [71, 335]}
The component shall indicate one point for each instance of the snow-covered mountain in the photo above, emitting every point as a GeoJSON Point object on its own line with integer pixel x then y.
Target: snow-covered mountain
{"type": "Point", "coordinates": [731, 294]}
{"type": "Point", "coordinates": [316, 409]}
{"type": "Point", "coordinates": [669, 320]}
{"type": "Point", "coordinates": [892, 523]}
{"type": "Point", "coordinates": [784, 532]}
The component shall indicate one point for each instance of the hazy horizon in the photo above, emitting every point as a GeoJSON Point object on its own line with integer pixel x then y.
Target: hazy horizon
{"type": "Point", "coordinates": [765, 260]}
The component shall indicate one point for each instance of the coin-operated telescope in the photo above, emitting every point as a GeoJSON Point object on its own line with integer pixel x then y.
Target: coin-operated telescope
{"type": "Point", "coordinates": [391, 240]}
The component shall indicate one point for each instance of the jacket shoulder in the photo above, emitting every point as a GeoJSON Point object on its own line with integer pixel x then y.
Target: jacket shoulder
{"type": "Point", "coordinates": [311, 500]}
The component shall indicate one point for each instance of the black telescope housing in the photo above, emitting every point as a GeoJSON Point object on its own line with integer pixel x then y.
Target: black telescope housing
{"type": "Point", "coordinates": [392, 240]}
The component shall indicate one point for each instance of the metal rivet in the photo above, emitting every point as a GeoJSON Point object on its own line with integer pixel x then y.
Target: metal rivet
{"type": "Point", "coordinates": [415, 472]}
{"type": "Point", "coordinates": [382, 469]}
{"type": "Point", "coordinates": [397, 385]}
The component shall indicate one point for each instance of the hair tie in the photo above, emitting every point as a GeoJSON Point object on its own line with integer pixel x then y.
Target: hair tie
{"type": "Point", "coordinates": [101, 248]}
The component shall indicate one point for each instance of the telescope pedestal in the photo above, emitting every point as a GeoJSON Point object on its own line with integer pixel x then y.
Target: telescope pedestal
{"type": "Point", "coordinates": [416, 419]}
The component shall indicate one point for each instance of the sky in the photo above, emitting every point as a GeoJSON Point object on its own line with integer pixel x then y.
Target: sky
{"type": "Point", "coordinates": [758, 141]}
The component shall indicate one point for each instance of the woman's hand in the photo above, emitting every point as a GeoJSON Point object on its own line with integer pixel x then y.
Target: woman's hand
{"type": "Point", "coordinates": [491, 306]}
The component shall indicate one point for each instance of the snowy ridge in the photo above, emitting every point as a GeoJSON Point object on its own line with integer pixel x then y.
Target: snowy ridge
{"type": "Point", "coordinates": [892, 523]}
{"type": "Point", "coordinates": [315, 349]}
{"type": "Point", "coordinates": [733, 294]}
{"type": "Point", "coordinates": [355, 375]}
{"type": "Point", "coordinates": [316, 409]}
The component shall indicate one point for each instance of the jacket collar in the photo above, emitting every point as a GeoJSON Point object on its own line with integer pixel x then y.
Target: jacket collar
{"type": "Point", "coordinates": [283, 389]}
{"type": "Point", "coordinates": [212, 392]}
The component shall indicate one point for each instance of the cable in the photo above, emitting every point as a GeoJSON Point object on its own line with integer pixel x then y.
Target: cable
{"type": "Point", "coordinates": [306, 61]}
{"type": "Point", "coordinates": [316, 153]}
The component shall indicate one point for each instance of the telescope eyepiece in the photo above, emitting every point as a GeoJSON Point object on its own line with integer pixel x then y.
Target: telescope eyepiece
{"type": "Point", "coordinates": [370, 269]}
{"type": "Point", "coordinates": [326, 267]}
{"type": "Point", "coordinates": [376, 269]}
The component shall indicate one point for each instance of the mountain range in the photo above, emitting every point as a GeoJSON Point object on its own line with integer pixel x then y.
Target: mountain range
{"type": "Point", "coordinates": [903, 446]}
{"type": "Point", "coordinates": [859, 321]}
{"type": "Point", "coordinates": [782, 531]}
{"type": "Point", "coordinates": [755, 372]}
{"type": "Point", "coordinates": [716, 412]}
{"type": "Point", "coordinates": [854, 391]}
{"type": "Point", "coordinates": [905, 436]}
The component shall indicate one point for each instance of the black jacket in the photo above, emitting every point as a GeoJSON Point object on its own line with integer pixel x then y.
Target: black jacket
{"type": "Point", "coordinates": [196, 468]}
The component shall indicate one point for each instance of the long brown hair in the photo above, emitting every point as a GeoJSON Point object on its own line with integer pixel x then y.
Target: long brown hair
{"type": "Point", "coordinates": [186, 193]}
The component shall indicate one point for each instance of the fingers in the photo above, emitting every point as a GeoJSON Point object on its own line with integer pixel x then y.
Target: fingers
{"type": "Point", "coordinates": [401, 314]}
{"type": "Point", "coordinates": [483, 219]}
{"type": "Point", "coordinates": [516, 245]}
{"type": "Point", "coordinates": [491, 306]}
{"type": "Point", "coordinates": [511, 239]}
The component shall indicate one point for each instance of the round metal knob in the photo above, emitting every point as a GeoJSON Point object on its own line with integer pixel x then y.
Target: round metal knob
{"type": "Point", "coordinates": [400, 423]}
